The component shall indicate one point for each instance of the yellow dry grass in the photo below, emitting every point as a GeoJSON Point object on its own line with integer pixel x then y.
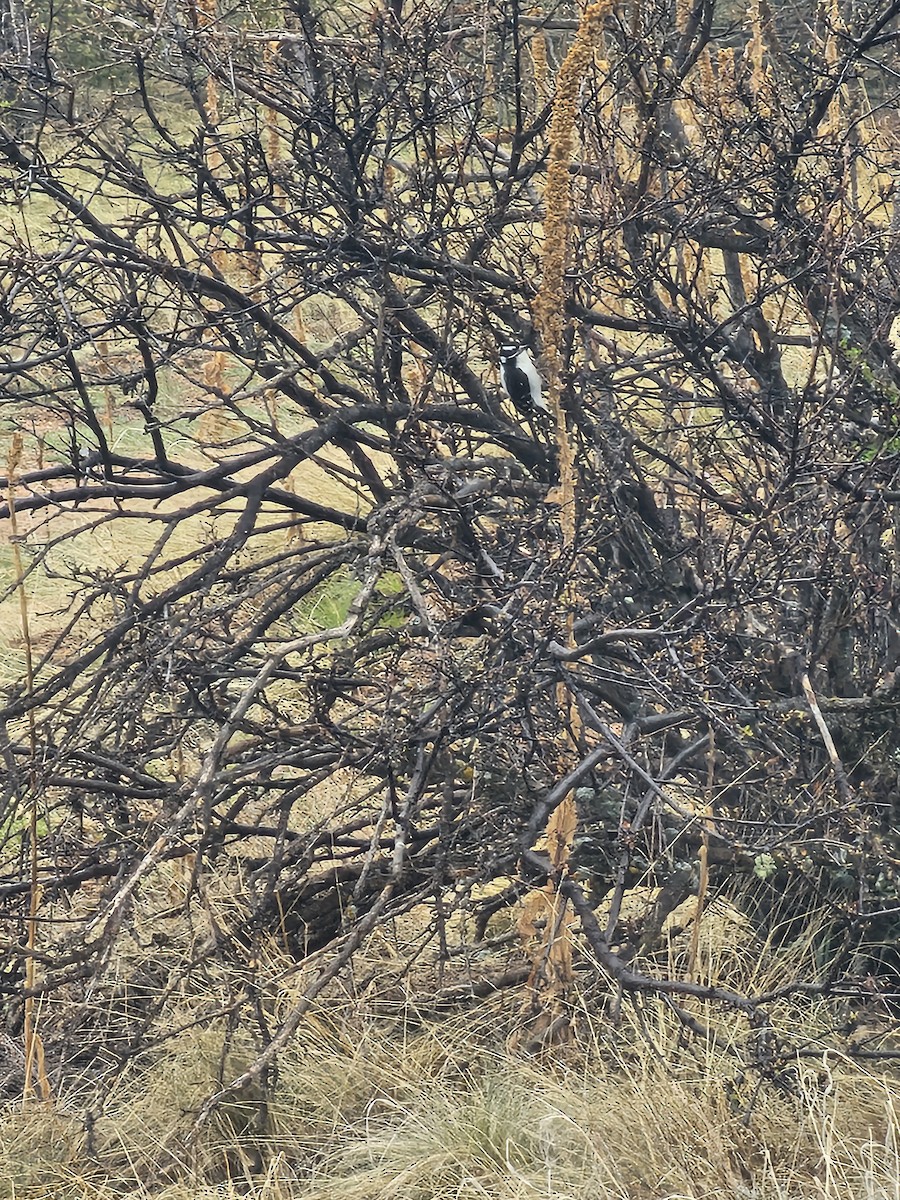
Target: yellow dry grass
{"type": "Point", "coordinates": [433, 1114]}
{"type": "Point", "coordinates": [377, 1099]}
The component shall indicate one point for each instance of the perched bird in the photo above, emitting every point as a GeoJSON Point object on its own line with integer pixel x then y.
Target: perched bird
{"type": "Point", "coordinates": [520, 379]}
{"type": "Point", "coordinates": [85, 461]}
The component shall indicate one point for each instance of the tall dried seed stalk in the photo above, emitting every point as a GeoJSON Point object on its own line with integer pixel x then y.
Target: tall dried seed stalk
{"type": "Point", "coordinates": [553, 965]}
{"type": "Point", "coordinates": [273, 137]}
{"type": "Point", "coordinates": [550, 304]}
{"type": "Point", "coordinates": [708, 89]}
{"type": "Point", "coordinates": [755, 56]}
{"type": "Point", "coordinates": [538, 49]}
{"type": "Point", "coordinates": [834, 124]}
{"type": "Point", "coordinates": [105, 369]}
{"type": "Point", "coordinates": [214, 427]}
{"type": "Point", "coordinates": [727, 82]}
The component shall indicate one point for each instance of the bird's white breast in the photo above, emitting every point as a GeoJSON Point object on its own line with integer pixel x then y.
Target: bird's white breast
{"type": "Point", "coordinates": [526, 366]}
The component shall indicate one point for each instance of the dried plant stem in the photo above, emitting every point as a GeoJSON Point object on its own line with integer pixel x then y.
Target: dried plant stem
{"type": "Point", "coordinates": [106, 371]}
{"type": "Point", "coordinates": [550, 304]}
{"type": "Point", "coordinates": [538, 49]}
{"type": "Point", "coordinates": [34, 1056]}
{"type": "Point", "coordinates": [756, 49]}
{"type": "Point", "coordinates": [840, 775]}
{"type": "Point", "coordinates": [553, 964]}
{"type": "Point", "coordinates": [703, 882]}
{"type": "Point", "coordinates": [727, 82]}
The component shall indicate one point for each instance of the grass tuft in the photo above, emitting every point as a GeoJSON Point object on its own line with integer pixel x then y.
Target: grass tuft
{"type": "Point", "coordinates": [431, 1115]}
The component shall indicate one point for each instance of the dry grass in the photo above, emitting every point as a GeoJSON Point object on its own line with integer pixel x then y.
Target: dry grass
{"type": "Point", "coordinates": [373, 1101]}
{"type": "Point", "coordinates": [364, 1111]}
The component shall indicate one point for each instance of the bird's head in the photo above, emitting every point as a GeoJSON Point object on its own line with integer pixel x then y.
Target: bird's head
{"type": "Point", "coordinates": [509, 353]}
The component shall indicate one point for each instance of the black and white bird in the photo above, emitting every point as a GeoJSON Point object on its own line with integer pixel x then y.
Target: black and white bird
{"type": "Point", "coordinates": [520, 380]}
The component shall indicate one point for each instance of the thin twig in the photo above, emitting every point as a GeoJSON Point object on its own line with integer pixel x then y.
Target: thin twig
{"type": "Point", "coordinates": [840, 775]}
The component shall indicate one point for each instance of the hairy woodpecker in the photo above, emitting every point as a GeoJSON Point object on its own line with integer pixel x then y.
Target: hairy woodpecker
{"type": "Point", "coordinates": [520, 379]}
